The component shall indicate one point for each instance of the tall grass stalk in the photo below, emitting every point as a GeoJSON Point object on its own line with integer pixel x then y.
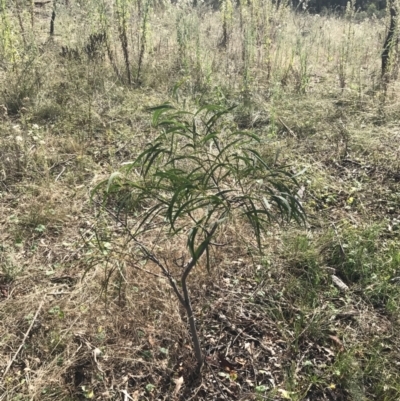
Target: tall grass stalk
{"type": "Point", "coordinates": [6, 34]}
{"type": "Point", "coordinates": [345, 50]}
{"type": "Point", "coordinates": [389, 47]}
{"type": "Point", "coordinates": [122, 7]}
{"type": "Point", "coordinates": [32, 13]}
{"type": "Point", "coordinates": [302, 74]}
{"type": "Point", "coordinates": [105, 24]}
{"type": "Point", "coordinates": [19, 12]}
{"type": "Point", "coordinates": [144, 33]}
{"type": "Point", "coordinates": [266, 40]}
{"type": "Point", "coordinates": [227, 19]}
{"type": "Point", "coordinates": [182, 33]}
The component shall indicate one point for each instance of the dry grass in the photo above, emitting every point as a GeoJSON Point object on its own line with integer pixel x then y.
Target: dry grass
{"type": "Point", "coordinates": [273, 326]}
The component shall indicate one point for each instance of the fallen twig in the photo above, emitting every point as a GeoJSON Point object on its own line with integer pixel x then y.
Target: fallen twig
{"type": "Point", "coordinates": [287, 128]}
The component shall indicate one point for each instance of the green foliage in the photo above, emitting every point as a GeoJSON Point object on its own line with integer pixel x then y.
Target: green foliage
{"type": "Point", "coordinates": [197, 174]}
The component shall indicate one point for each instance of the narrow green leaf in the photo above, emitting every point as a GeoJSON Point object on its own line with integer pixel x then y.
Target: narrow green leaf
{"type": "Point", "coordinates": [158, 111]}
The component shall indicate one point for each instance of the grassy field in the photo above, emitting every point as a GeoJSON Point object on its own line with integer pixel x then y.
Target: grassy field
{"type": "Point", "coordinates": [314, 316]}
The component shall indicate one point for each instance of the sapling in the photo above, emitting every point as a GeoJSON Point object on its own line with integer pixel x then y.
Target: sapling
{"type": "Point", "coordinates": [197, 176]}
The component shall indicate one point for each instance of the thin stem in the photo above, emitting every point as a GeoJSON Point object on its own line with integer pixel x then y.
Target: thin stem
{"type": "Point", "coordinates": [187, 304]}
{"type": "Point", "coordinates": [149, 255]}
